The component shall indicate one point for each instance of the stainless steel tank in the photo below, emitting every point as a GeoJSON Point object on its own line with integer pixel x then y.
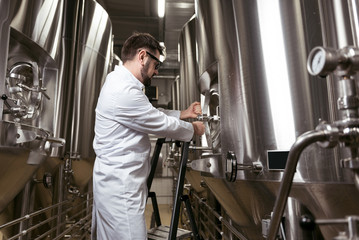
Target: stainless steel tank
{"type": "Point", "coordinates": [86, 38]}
{"type": "Point", "coordinates": [28, 89]}
{"type": "Point", "coordinates": [252, 58]}
{"type": "Point", "coordinates": [93, 47]}
{"type": "Point", "coordinates": [188, 85]}
{"type": "Point", "coordinates": [175, 102]}
{"type": "Point", "coordinates": [189, 92]}
{"type": "Point", "coordinates": [85, 62]}
{"type": "Point", "coordinates": [56, 57]}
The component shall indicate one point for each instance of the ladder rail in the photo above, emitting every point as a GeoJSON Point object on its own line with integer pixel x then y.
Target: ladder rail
{"type": "Point", "coordinates": [179, 197]}
{"type": "Point", "coordinates": [179, 190]}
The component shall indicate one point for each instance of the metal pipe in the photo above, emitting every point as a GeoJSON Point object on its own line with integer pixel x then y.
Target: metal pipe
{"type": "Point", "coordinates": [50, 231]}
{"type": "Point", "coordinates": [331, 221]}
{"type": "Point", "coordinates": [25, 195]}
{"type": "Point", "coordinates": [60, 197]}
{"type": "Point", "coordinates": [208, 232]}
{"type": "Point", "coordinates": [77, 214]}
{"type": "Point", "coordinates": [32, 215]}
{"type": "Point", "coordinates": [356, 180]}
{"type": "Point", "coordinates": [200, 148]}
{"type": "Point", "coordinates": [213, 224]}
{"type": "Point", "coordinates": [301, 143]}
{"type": "Point", "coordinates": [24, 232]}
{"type": "Point", "coordinates": [81, 221]}
{"type": "Point", "coordinates": [67, 230]}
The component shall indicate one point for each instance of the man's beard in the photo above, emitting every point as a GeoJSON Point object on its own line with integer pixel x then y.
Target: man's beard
{"type": "Point", "coordinates": [146, 79]}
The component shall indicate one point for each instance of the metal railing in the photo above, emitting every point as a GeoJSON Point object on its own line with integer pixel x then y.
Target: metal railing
{"type": "Point", "coordinates": [75, 221]}
{"type": "Point", "coordinates": [226, 224]}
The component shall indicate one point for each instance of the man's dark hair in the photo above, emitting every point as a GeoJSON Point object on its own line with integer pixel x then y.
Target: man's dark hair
{"type": "Point", "coordinates": [137, 41]}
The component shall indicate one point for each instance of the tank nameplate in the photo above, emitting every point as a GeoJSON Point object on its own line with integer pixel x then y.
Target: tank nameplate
{"type": "Point", "coordinates": [277, 159]}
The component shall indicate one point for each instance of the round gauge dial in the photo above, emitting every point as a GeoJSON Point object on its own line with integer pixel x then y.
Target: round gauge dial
{"type": "Point", "coordinates": [316, 61]}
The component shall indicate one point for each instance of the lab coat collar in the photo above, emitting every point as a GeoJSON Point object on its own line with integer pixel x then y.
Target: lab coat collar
{"type": "Point", "coordinates": [121, 68]}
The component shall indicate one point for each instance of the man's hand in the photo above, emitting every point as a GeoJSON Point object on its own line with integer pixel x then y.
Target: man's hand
{"type": "Point", "coordinates": [199, 128]}
{"type": "Point", "coordinates": [192, 111]}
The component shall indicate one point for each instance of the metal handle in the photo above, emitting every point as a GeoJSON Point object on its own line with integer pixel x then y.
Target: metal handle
{"type": "Point", "coordinates": [205, 118]}
{"type": "Point", "coordinates": [38, 89]}
{"type": "Point", "coordinates": [302, 142]}
{"type": "Point", "coordinates": [56, 142]}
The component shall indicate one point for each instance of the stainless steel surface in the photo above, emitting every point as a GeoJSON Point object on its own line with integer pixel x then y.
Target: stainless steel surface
{"type": "Point", "coordinates": [188, 86]}
{"type": "Point", "coordinates": [42, 73]}
{"type": "Point", "coordinates": [175, 94]}
{"type": "Point", "coordinates": [4, 43]}
{"type": "Point", "coordinates": [254, 55]}
{"type": "Point", "coordinates": [93, 45]}
{"type": "Point", "coordinates": [294, 213]}
{"type": "Point", "coordinates": [41, 21]}
{"type": "Point", "coordinates": [206, 165]}
{"type": "Point", "coordinates": [301, 143]}
{"type": "Point", "coordinates": [246, 57]}
{"type": "Point", "coordinates": [14, 173]}
{"type": "Point", "coordinates": [188, 72]}
{"type": "Point", "coordinates": [27, 133]}
{"type": "Point", "coordinates": [56, 56]}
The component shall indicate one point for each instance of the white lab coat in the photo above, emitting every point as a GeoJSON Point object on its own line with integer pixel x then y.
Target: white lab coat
{"type": "Point", "coordinates": [124, 118]}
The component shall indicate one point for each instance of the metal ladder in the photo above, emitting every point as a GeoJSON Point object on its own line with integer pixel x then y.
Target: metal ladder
{"type": "Point", "coordinates": [171, 232]}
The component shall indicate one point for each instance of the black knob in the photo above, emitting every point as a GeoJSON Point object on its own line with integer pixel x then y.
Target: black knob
{"type": "Point", "coordinates": [307, 222]}
{"type": "Point", "coordinates": [47, 180]}
{"type": "Point", "coordinates": [4, 97]}
{"type": "Point", "coordinates": [184, 198]}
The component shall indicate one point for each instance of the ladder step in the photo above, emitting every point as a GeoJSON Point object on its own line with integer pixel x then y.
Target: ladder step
{"type": "Point", "coordinates": [162, 232]}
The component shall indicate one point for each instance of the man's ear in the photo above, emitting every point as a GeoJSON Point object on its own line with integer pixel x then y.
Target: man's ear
{"type": "Point", "coordinates": [141, 57]}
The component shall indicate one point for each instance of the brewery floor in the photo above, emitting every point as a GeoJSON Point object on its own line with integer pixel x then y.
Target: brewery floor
{"type": "Point", "coordinates": [165, 214]}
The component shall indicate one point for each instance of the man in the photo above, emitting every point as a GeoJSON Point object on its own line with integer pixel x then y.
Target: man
{"type": "Point", "coordinates": [124, 118]}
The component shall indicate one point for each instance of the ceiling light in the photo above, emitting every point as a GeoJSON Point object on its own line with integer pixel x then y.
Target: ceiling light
{"type": "Point", "coordinates": [161, 8]}
{"type": "Point", "coordinates": [163, 57]}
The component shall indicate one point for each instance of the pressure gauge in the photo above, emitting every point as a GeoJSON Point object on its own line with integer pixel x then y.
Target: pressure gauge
{"type": "Point", "coordinates": [322, 61]}
{"type": "Point", "coordinates": [318, 62]}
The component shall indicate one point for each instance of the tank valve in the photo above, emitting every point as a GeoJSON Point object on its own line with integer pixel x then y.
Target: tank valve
{"type": "Point", "coordinates": [34, 89]}
{"type": "Point", "coordinates": [205, 118]}
{"type": "Point", "coordinates": [232, 166]}
{"type": "Point", "coordinates": [16, 110]}
{"type": "Point", "coordinates": [47, 180]}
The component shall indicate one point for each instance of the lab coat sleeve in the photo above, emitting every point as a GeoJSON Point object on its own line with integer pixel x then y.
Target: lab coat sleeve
{"type": "Point", "coordinates": [136, 112]}
{"type": "Point", "coordinates": [173, 113]}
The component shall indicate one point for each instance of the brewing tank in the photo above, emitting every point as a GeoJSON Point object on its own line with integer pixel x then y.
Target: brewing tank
{"type": "Point", "coordinates": [189, 92]}
{"type": "Point", "coordinates": [56, 55]}
{"type": "Point", "coordinates": [252, 68]}
{"type": "Point", "coordinates": [28, 90]}
{"type": "Point", "coordinates": [84, 61]}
